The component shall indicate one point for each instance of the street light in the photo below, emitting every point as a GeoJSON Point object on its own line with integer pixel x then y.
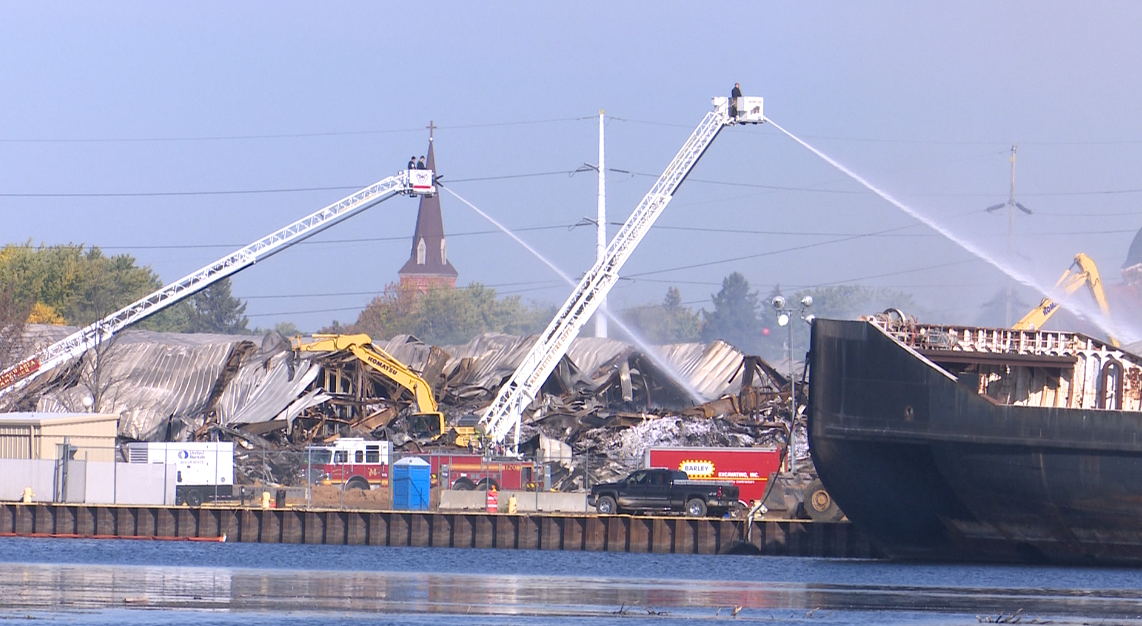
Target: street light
{"type": "Point", "coordinates": [785, 319]}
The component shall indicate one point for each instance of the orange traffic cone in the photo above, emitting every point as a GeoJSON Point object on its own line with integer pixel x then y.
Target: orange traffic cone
{"type": "Point", "coordinates": [493, 500]}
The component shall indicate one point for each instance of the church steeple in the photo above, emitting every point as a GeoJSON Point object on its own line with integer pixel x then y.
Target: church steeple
{"type": "Point", "coordinates": [428, 263]}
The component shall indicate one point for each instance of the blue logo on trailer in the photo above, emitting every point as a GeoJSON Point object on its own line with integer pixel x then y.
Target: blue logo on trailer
{"type": "Point", "coordinates": [182, 454]}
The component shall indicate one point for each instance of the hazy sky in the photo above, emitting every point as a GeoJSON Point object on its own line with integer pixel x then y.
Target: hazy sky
{"type": "Point", "coordinates": [179, 132]}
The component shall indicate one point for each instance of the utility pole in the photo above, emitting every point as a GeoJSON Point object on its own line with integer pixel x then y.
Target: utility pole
{"type": "Point", "coordinates": [1011, 205]}
{"type": "Point", "coordinates": [601, 230]}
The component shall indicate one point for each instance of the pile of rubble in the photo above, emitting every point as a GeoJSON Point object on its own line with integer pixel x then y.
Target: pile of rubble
{"type": "Point", "coordinates": [607, 401]}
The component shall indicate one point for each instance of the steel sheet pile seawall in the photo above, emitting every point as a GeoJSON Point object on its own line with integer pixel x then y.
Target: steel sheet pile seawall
{"type": "Point", "coordinates": [928, 468]}
{"type": "Point", "coordinates": [618, 533]}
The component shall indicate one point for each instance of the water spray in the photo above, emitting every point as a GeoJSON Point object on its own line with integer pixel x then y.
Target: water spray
{"type": "Point", "coordinates": [650, 352]}
{"type": "Point", "coordinates": [1110, 327]}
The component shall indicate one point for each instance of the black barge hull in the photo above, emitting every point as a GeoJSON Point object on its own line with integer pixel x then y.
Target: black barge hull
{"type": "Point", "coordinates": [930, 469]}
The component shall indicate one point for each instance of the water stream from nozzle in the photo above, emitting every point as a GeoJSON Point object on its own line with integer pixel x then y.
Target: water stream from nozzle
{"type": "Point", "coordinates": [1116, 328]}
{"type": "Point", "coordinates": [650, 352]}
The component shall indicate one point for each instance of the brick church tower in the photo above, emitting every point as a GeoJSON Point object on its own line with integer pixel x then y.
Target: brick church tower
{"type": "Point", "coordinates": [428, 264]}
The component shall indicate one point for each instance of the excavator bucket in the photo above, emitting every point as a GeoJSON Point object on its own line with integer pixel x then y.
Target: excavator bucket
{"type": "Point", "coordinates": [784, 496]}
{"type": "Point", "coordinates": [798, 496]}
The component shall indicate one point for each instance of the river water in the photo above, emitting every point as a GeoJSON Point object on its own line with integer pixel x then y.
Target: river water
{"type": "Point", "coordinates": [77, 581]}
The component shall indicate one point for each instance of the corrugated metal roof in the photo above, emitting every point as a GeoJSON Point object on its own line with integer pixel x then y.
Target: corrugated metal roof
{"type": "Point", "coordinates": [159, 375]}
{"type": "Point", "coordinates": [260, 393]}
{"type": "Point", "coordinates": [710, 368]}
{"type": "Point", "coordinates": [713, 369]}
{"type": "Point", "coordinates": [154, 376]}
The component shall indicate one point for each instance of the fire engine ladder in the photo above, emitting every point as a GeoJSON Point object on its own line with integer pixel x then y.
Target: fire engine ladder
{"type": "Point", "coordinates": [507, 409]}
{"type": "Point", "coordinates": [411, 182]}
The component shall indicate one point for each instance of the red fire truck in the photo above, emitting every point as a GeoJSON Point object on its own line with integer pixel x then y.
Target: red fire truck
{"type": "Point", "coordinates": [361, 464]}
{"type": "Point", "coordinates": [747, 468]}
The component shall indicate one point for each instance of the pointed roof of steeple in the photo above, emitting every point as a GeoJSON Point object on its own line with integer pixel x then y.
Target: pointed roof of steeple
{"type": "Point", "coordinates": [430, 229]}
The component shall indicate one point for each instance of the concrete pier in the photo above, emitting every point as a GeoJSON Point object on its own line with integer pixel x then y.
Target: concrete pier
{"type": "Point", "coordinates": [616, 533]}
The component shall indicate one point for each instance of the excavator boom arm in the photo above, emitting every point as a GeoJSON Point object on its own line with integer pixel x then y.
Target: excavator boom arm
{"type": "Point", "coordinates": [361, 346]}
{"type": "Point", "coordinates": [1082, 272]}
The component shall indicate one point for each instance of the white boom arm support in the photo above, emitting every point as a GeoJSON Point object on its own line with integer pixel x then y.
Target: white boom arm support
{"type": "Point", "coordinates": [507, 409]}
{"type": "Point", "coordinates": [413, 182]}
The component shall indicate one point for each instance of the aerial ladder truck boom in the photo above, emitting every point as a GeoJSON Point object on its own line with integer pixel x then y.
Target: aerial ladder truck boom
{"type": "Point", "coordinates": [1082, 272]}
{"type": "Point", "coordinates": [409, 182]}
{"type": "Point", "coordinates": [506, 411]}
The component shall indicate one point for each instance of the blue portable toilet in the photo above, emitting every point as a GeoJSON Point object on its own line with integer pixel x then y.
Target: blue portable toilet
{"type": "Point", "coordinates": [411, 484]}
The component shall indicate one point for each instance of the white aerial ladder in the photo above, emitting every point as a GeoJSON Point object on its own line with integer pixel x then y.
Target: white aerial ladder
{"type": "Point", "coordinates": [409, 182]}
{"type": "Point", "coordinates": [517, 394]}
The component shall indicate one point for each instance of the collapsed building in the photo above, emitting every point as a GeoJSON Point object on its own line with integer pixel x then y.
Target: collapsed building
{"type": "Point", "coordinates": [607, 400]}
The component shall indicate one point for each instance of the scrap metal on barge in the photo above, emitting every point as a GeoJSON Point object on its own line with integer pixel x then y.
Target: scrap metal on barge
{"type": "Point", "coordinates": [961, 443]}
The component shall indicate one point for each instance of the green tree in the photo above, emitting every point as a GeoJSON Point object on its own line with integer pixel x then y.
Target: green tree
{"type": "Point", "coordinates": [287, 329]}
{"type": "Point", "coordinates": [214, 310]}
{"type": "Point", "coordinates": [845, 302]}
{"type": "Point", "coordinates": [107, 284]}
{"type": "Point", "coordinates": [13, 313]}
{"type": "Point", "coordinates": [735, 316]}
{"type": "Point", "coordinates": [668, 322]}
{"type": "Point", "coordinates": [444, 315]}
{"type": "Point", "coordinates": [82, 285]}
{"type": "Point", "coordinates": [173, 319]}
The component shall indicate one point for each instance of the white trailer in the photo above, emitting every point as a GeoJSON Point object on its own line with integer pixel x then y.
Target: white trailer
{"type": "Point", "coordinates": [203, 470]}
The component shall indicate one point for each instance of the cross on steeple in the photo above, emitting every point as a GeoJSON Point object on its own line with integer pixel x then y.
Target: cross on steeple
{"type": "Point", "coordinates": [431, 127]}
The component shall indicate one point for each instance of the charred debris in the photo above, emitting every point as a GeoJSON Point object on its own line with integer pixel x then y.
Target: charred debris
{"type": "Point", "coordinates": [605, 419]}
{"type": "Point", "coordinates": [605, 404]}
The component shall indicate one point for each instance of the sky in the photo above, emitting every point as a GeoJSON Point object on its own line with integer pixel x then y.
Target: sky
{"type": "Point", "coordinates": [180, 132]}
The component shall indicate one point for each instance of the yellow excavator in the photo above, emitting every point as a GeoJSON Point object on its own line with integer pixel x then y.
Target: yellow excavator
{"type": "Point", "coordinates": [426, 420]}
{"type": "Point", "coordinates": [1082, 272]}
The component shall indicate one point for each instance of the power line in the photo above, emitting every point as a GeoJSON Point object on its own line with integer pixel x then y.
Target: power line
{"type": "Point", "coordinates": [897, 273]}
{"type": "Point", "coordinates": [508, 176]}
{"type": "Point", "coordinates": [672, 282]}
{"type": "Point", "coordinates": [358, 308]}
{"type": "Point", "coordinates": [380, 291]}
{"type": "Point", "coordinates": [1041, 194]}
{"type": "Point", "coordinates": [347, 133]}
{"type": "Point", "coordinates": [807, 233]}
{"type": "Point", "coordinates": [949, 142]}
{"type": "Point", "coordinates": [568, 172]}
{"type": "Point", "coordinates": [149, 194]}
{"type": "Point", "coordinates": [770, 253]}
{"type": "Point", "coordinates": [310, 312]}
{"type": "Point", "coordinates": [326, 242]}
{"type": "Point", "coordinates": [237, 192]}
{"type": "Point", "coordinates": [843, 236]}
{"type": "Point", "coordinates": [1111, 214]}
{"type": "Point", "coordinates": [387, 131]}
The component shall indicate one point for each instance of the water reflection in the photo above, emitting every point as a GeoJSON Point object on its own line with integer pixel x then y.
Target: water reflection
{"type": "Point", "coordinates": [73, 587]}
{"type": "Point", "coordinates": [45, 586]}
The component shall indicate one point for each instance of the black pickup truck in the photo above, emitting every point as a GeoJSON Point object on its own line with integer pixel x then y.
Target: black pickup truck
{"type": "Point", "coordinates": [663, 490]}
